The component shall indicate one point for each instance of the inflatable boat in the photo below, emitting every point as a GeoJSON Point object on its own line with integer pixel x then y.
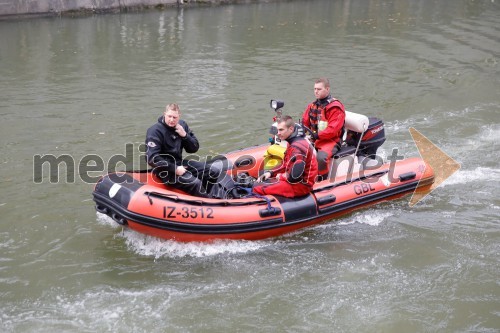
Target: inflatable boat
{"type": "Point", "coordinates": [357, 179]}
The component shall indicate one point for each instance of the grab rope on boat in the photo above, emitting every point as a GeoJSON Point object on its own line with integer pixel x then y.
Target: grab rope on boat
{"type": "Point", "coordinates": [270, 211]}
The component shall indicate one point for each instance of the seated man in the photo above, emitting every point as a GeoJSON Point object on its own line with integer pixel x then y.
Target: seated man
{"type": "Point", "coordinates": [325, 117]}
{"type": "Point", "coordinates": [165, 142]}
{"type": "Point", "coordinates": [297, 174]}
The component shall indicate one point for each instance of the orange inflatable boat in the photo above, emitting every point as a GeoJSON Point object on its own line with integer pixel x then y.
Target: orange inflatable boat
{"type": "Point", "coordinates": [142, 202]}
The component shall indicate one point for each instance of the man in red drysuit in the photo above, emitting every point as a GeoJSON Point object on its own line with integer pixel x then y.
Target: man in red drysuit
{"type": "Point", "coordinates": [325, 117]}
{"type": "Point", "coordinates": [297, 174]}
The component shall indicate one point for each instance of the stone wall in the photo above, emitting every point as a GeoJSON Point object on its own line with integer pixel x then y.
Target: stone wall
{"type": "Point", "coordinates": [18, 8]}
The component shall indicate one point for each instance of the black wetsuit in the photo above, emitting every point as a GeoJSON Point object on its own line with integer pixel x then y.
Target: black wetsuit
{"type": "Point", "coordinates": [164, 154]}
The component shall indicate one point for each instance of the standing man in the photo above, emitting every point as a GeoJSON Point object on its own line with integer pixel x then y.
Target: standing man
{"type": "Point", "coordinates": [165, 142]}
{"type": "Point", "coordinates": [297, 174]}
{"type": "Point", "coordinates": [325, 117]}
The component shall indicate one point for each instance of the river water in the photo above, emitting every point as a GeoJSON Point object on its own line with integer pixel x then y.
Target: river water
{"type": "Point", "coordinates": [89, 86]}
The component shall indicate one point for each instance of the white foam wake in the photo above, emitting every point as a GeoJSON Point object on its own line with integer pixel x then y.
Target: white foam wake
{"type": "Point", "coordinates": [104, 219]}
{"type": "Point", "coordinates": [156, 247]}
{"type": "Point", "coordinates": [371, 217]}
{"type": "Point", "coordinates": [468, 176]}
{"type": "Point", "coordinates": [490, 134]}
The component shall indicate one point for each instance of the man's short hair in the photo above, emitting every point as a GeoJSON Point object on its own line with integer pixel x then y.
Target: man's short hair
{"type": "Point", "coordinates": [323, 80]}
{"type": "Point", "coordinates": [172, 107]}
{"type": "Point", "coordinates": [288, 120]}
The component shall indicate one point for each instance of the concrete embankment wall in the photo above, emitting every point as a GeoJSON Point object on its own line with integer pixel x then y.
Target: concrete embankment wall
{"type": "Point", "coordinates": [18, 8]}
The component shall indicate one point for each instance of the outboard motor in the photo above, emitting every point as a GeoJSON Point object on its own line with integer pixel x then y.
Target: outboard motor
{"type": "Point", "coordinates": [372, 139]}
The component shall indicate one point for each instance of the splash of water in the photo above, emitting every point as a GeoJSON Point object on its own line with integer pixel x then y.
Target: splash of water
{"type": "Point", "coordinates": [469, 176]}
{"type": "Point", "coordinates": [157, 248]}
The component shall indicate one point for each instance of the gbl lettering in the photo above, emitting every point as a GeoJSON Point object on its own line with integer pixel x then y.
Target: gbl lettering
{"type": "Point", "coordinates": [363, 188]}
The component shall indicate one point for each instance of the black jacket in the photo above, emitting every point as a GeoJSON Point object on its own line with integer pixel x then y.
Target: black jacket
{"type": "Point", "coordinates": [164, 145]}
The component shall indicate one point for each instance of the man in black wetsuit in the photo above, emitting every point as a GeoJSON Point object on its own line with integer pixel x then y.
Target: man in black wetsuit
{"type": "Point", "coordinates": [165, 142]}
